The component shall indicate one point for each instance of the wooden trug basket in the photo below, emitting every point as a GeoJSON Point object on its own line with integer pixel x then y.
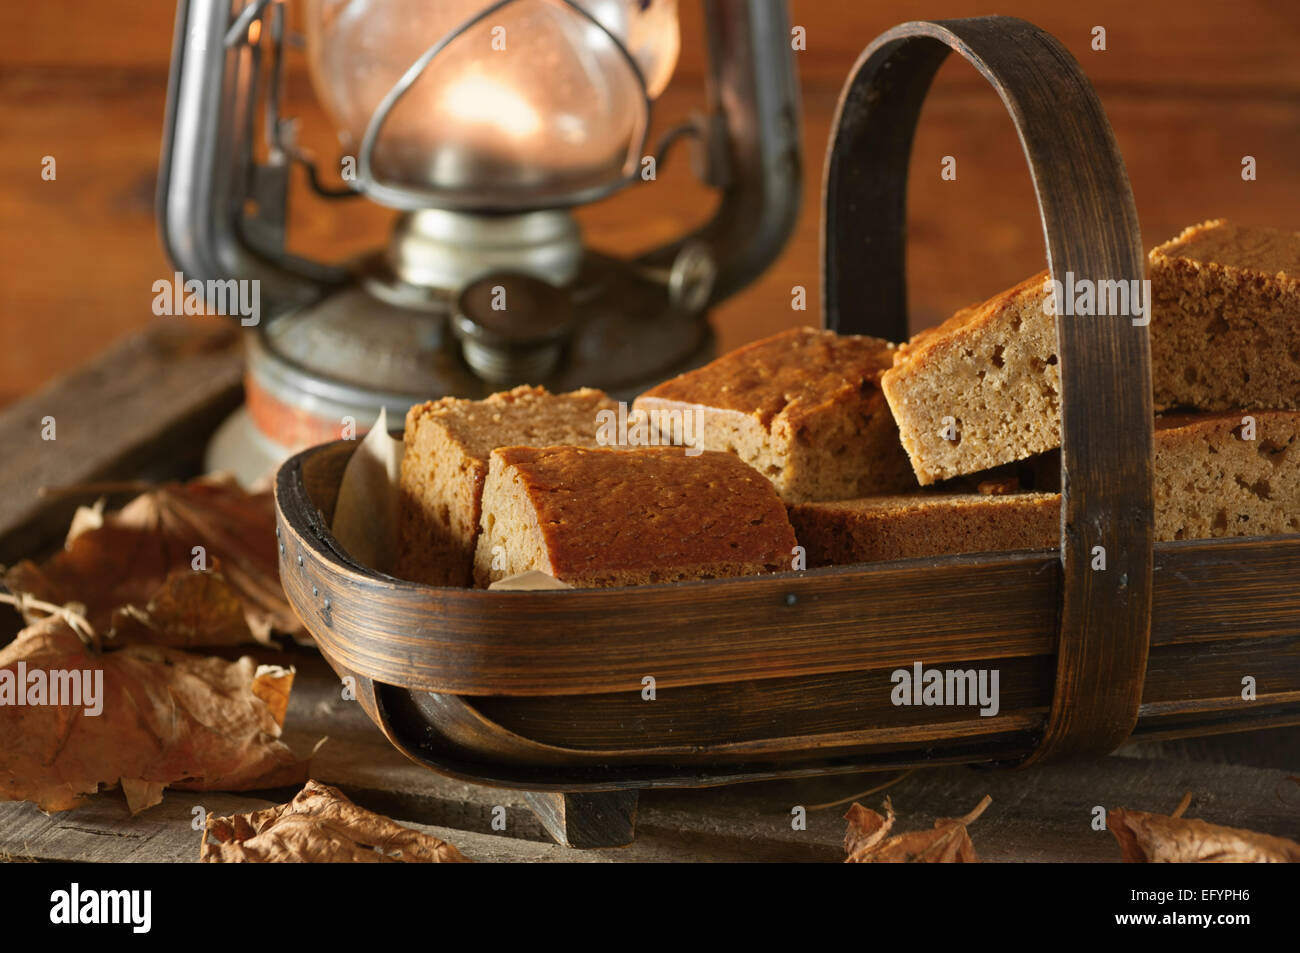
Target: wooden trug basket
{"type": "Point", "coordinates": [788, 674]}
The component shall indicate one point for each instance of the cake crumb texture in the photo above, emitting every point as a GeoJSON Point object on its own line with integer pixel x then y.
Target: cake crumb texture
{"type": "Point", "coordinates": [1225, 326]}
{"type": "Point", "coordinates": [1211, 482]}
{"type": "Point", "coordinates": [980, 390]}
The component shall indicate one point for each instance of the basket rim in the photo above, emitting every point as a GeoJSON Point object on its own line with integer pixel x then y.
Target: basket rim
{"type": "Point", "coordinates": [321, 540]}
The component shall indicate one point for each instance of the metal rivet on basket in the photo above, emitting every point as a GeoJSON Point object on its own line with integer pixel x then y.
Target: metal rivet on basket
{"type": "Point", "coordinates": [300, 559]}
{"type": "Point", "coordinates": [315, 591]}
{"type": "Point", "coordinates": [277, 532]}
{"type": "Point", "coordinates": [282, 549]}
{"type": "Point", "coordinates": [791, 598]}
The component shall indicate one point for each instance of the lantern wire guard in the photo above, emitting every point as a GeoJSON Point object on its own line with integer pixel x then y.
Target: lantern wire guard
{"type": "Point", "coordinates": [412, 199]}
{"type": "Point", "coordinates": [339, 340]}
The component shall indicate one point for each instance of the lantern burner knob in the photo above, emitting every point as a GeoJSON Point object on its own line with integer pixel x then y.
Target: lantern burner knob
{"type": "Point", "coordinates": [692, 277]}
{"type": "Point", "coordinates": [512, 327]}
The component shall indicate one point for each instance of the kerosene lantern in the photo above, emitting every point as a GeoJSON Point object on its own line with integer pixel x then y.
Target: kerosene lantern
{"type": "Point", "coordinates": [484, 124]}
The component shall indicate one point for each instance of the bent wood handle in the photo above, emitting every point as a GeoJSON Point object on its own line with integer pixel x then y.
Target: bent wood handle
{"type": "Point", "coordinates": [1091, 229]}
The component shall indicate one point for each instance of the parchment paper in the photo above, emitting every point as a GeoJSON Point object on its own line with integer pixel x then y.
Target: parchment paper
{"type": "Point", "coordinates": [365, 515]}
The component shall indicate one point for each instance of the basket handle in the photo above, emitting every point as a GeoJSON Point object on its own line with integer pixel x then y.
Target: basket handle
{"type": "Point", "coordinates": [1091, 228]}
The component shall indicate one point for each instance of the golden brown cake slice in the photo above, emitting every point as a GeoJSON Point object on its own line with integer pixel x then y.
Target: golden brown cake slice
{"type": "Point", "coordinates": [925, 524]}
{"type": "Point", "coordinates": [1228, 474]}
{"type": "Point", "coordinates": [981, 389]}
{"type": "Point", "coordinates": [803, 408]}
{"type": "Point", "coordinates": [448, 442]}
{"type": "Point", "coordinates": [1225, 324]}
{"type": "Point", "coordinates": [625, 517]}
{"type": "Point", "coordinates": [1216, 475]}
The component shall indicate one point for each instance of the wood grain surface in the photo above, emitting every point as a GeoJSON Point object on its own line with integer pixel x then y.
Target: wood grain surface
{"type": "Point", "coordinates": [475, 642]}
{"type": "Point", "coordinates": [1189, 88]}
{"type": "Point", "coordinates": [144, 409]}
{"type": "Point", "coordinates": [424, 655]}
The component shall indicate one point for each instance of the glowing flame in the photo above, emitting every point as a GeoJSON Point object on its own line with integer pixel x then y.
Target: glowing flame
{"type": "Point", "coordinates": [481, 99]}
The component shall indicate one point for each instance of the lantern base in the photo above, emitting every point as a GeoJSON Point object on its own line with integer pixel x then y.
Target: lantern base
{"type": "Point", "coordinates": [322, 373]}
{"type": "Point", "coordinates": [240, 449]}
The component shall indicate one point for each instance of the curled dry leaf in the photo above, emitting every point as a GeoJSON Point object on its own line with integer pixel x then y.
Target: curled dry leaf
{"type": "Point", "coordinates": [134, 569]}
{"type": "Point", "coordinates": [189, 610]}
{"type": "Point", "coordinates": [320, 825]}
{"type": "Point", "coordinates": [145, 717]}
{"type": "Point", "coordinates": [948, 843]}
{"type": "Point", "coordinates": [1155, 839]}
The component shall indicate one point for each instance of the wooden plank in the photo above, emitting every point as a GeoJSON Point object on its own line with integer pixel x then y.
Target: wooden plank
{"type": "Point", "coordinates": [145, 408]}
{"type": "Point", "coordinates": [1037, 814]}
{"type": "Point", "coordinates": [968, 238]}
{"type": "Point", "coordinates": [1241, 47]}
{"type": "Point", "coordinates": [104, 832]}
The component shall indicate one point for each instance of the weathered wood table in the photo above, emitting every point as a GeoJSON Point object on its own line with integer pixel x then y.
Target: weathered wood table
{"type": "Point", "coordinates": [146, 409]}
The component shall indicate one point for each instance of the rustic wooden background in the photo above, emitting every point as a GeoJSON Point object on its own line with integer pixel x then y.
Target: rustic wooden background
{"type": "Point", "coordinates": [1190, 88]}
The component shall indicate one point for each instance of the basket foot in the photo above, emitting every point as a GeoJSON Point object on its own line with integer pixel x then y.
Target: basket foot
{"type": "Point", "coordinates": [594, 819]}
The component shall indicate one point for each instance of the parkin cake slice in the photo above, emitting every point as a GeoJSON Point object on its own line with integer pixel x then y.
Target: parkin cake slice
{"type": "Point", "coordinates": [880, 528]}
{"type": "Point", "coordinates": [1225, 324]}
{"type": "Point", "coordinates": [448, 443]}
{"type": "Point", "coordinates": [1227, 474]}
{"type": "Point", "coordinates": [802, 407]}
{"type": "Point", "coordinates": [1216, 475]}
{"type": "Point", "coordinates": [619, 517]}
{"type": "Point", "coordinates": [981, 389]}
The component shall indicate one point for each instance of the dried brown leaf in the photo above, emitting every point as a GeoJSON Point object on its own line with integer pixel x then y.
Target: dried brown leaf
{"type": "Point", "coordinates": [1157, 839]}
{"type": "Point", "coordinates": [134, 571]}
{"type": "Point", "coordinates": [168, 719]}
{"type": "Point", "coordinates": [948, 843]}
{"type": "Point", "coordinates": [867, 828]}
{"type": "Point", "coordinates": [320, 825]}
{"type": "Point", "coordinates": [190, 610]}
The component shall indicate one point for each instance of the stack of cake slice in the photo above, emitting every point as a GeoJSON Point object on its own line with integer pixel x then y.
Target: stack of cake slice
{"type": "Point", "coordinates": [1214, 476]}
{"type": "Point", "coordinates": [983, 388]}
{"type": "Point", "coordinates": [803, 408]}
{"type": "Point", "coordinates": [448, 444]}
{"type": "Point", "coordinates": [520, 481]}
{"type": "Point", "coordinates": [857, 450]}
